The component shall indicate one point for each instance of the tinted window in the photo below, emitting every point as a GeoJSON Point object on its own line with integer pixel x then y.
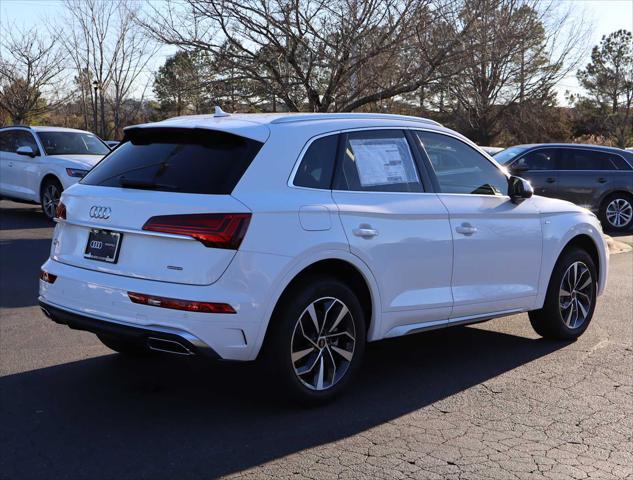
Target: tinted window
{"type": "Point", "coordinates": [378, 161]}
{"type": "Point", "coordinates": [187, 161]}
{"type": "Point", "coordinates": [509, 154]}
{"type": "Point", "coordinates": [25, 139]}
{"type": "Point", "coordinates": [620, 163]}
{"type": "Point", "coordinates": [317, 165]}
{"type": "Point", "coordinates": [578, 159]}
{"type": "Point", "coordinates": [72, 143]}
{"type": "Point", "coordinates": [7, 141]}
{"type": "Point", "coordinates": [460, 168]}
{"type": "Point", "coordinates": [541, 159]}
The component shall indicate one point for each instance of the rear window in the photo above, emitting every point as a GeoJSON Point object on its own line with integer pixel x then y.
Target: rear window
{"type": "Point", "coordinates": [178, 160]}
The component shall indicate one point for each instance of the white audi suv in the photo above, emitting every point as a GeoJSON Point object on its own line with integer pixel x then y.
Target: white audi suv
{"type": "Point", "coordinates": [38, 163]}
{"type": "Point", "coordinates": [295, 239]}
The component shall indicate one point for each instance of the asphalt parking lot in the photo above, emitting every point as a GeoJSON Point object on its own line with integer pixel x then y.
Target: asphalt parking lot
{"type": "Point", "coordinates": [487, 401]}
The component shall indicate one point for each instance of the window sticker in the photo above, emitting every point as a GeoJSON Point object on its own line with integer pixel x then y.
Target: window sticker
{"type": "Point", "coordinates": [384, 161]}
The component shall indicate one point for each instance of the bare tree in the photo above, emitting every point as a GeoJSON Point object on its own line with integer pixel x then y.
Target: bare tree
{"type": "Point", "coordinates": [317, 55]}
{"type": "Point", "coordinates": [31, 68]}
{"type": "Point", "coordinates": [515, 51]}
{"type": "Point", "coordinates": [111, 53]}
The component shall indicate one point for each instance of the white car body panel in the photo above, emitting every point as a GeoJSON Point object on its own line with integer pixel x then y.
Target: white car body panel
{"type": "Point", "coordinates": [497, 267]}
{"type": "Point", "coordinates": [420, 273]}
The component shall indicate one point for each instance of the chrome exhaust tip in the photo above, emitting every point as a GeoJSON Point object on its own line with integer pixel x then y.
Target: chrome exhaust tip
{"type": "Point", "coordinates": [168, 346]}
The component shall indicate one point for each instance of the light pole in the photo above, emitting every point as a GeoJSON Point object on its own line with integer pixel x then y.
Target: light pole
{"type": "Point", "coordinates": [95, 85]}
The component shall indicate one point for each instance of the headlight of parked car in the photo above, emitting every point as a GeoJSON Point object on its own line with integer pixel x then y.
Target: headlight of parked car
{"type": "Point", "coordinates": [76, 172]}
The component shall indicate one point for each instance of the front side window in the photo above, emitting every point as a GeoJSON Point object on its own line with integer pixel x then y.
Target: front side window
{"type": "Point", "coordinates": [377, 161]}
{"type": "Point", "coordinates": [25, 139]}
{"type": "Point", "coordinates": [460, 168]}
{"type": "Point", "coordinates": [72, 143]}
{"type": "Point", "coordinates": [578, 159]}
{"type": "Point", "coordinates": [7, 141]}
{"type": "Point", "coordinates": [541, 159]}
{"type": "Point", "coordinates": [317, 165]}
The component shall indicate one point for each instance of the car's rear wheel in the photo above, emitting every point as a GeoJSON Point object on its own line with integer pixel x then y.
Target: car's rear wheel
{"type": "Point", "coordinates": [51, 192]}
{"type": "Point", "coordinates": [570, 300]}
{"type": "Point", "coordinates": [317, 339]}
{"type": "Point", "coordinates": [616, 212]}
{"type": "Point", "coordinates": [124, 347]}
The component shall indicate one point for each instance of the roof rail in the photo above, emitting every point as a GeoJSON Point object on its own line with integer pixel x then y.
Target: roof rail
{"type": "Point", "coordinates": [14, 126]}
{"type": "Point", "coordinates": [306, 117]}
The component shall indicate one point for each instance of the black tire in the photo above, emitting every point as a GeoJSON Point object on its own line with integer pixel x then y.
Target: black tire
{"type": "Point", "coordinates": [550, 321]}
{"type": "Point", "coordinates": [124, 347]}
{"type": "Point", "coordinates": [284, 335]}
{"type": "Point", "coordinates": [49, 197]}
{"type": "Point", "coordinates": [614, 200]}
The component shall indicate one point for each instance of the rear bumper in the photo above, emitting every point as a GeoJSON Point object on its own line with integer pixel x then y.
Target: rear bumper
{"type": "Point", "coordinates": [103, 297]}
{"type": "Point", "coordinates": [170, 339]}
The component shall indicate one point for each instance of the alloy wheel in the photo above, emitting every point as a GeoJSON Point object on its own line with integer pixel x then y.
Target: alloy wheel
{"type": "Point", "coordinates": [576, 295]}
{"type": "Point", "coordinates": [50, 199]}
{"type": "Point", "coordinates": [323, 343]}
{"type": "Point", "coordinates": [619, 212]}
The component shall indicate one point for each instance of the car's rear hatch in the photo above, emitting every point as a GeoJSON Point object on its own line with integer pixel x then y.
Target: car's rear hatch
{"type": "Point", "coordinates": [162, 201]}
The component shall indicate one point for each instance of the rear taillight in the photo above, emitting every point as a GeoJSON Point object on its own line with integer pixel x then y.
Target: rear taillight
{"type": "Point", "coordinates": [217, 230]}
{"type": "Point", "coordinates": [60, 211]}
{"type": "Point", "coordinates": [47, 277]}
{"type": "Point", "coordinates": [177, 304]}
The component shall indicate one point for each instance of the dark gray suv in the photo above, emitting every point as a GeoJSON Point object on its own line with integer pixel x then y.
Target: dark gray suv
{"type": "Point", "coordinates": [598, 178]}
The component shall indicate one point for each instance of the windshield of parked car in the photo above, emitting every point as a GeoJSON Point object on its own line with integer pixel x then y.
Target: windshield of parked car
{"type": "Point", "coordinates": [72, 143]}
{"type": "Point", "coordinates": [509, 154]}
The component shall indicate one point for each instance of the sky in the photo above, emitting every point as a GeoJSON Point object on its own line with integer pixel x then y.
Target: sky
{"type": "Point", "coordinates": [606, 16]}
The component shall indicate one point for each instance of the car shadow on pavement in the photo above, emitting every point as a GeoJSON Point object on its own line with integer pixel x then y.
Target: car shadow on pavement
{"type": "Point", "coordinates": [164, 417]}
{"type": "Point", "coordinates": [23, 217]}
{"type": "Point", "coordinates": [19, 280]}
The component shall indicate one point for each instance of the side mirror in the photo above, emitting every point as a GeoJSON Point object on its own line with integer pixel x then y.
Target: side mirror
{"type": "Point", "coordinates": [25, 150]}
{"type": "Point", "coordinates": [519, 189]}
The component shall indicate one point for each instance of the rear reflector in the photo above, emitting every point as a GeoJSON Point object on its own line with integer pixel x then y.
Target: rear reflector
{"type": "Point", "coordinates": [60, 211]}
{"type": "Point", "coordinates": [176, 304]}
{"type": "Point", "coordinates": [47, 277]}
{"type": "Point", "coordinates": [216, 230]}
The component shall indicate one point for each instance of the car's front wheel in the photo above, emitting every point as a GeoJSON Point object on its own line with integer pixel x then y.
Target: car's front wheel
{"type": "Point", "coordinates": [316, 340]}
{"type": "Point", "coordinates": [616, 213]}
{"type": "Point", "coordinates": [51, 192]}
{"type": "Point", "coordinates": [570, 300]}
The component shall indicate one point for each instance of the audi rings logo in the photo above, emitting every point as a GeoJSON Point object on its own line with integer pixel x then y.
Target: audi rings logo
{"type": "Point", "coordinates": [100, 212]}
{"type": "Point", "coordinates": [96, 244]}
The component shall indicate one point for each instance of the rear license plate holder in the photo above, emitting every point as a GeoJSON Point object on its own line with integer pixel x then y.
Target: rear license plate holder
{"type": "Point", "coordinates": [103, 245]}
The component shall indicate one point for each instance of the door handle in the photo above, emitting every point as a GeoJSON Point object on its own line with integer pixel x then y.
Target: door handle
{"type": "Point", "coordinates": [602, 180]}
{"type": "Point", "coordinates": [365, 231]}
{"type": "Point", "coordinates": [550, 180]}
{"type": "Point", "coordinates": [466, 229]}
{"type": "Point", "coordinates": [10, 164]}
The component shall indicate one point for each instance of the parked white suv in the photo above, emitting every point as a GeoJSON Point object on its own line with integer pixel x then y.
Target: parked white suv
{"type": "Point", "coordinates": [38, 163]}
{"type": "Point", "coordinates": [298, 238]}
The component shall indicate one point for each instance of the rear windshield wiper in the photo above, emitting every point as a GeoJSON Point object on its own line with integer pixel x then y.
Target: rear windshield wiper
{"type": "Point", "coordinates": [143, 185]}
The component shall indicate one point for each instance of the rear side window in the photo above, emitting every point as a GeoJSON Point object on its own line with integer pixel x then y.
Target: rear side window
{"type": "Point", "coordinates": [178, 160]}
{"type": "Point", "coordinates": [577, 159]}
{"type": "Point", "coordinates": [317, 165]}
{"type": "Point", "coordinates": [377, 161]}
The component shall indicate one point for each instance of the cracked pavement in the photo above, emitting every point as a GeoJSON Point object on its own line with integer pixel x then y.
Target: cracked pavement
{"type": "Point", "coordinates": [491, 401]}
